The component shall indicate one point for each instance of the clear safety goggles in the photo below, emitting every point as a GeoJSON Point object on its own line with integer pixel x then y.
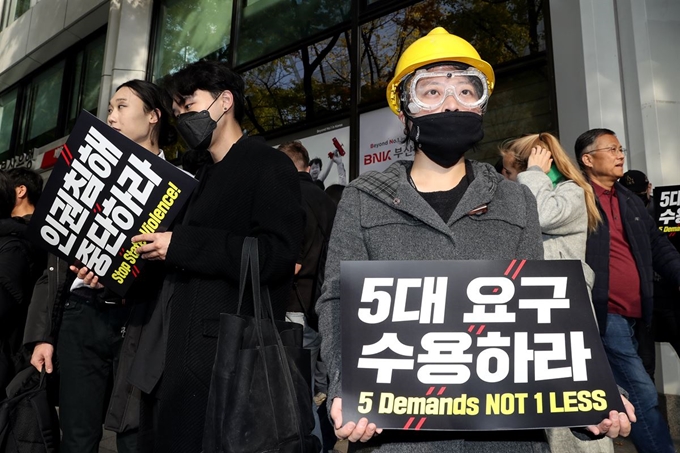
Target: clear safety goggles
{"type": "Point", "coordinates": [429, 90]}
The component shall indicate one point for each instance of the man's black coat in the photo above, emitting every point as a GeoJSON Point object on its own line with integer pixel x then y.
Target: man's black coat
{"type": "Point", "coordinates": [18, 273]}
{"type": "Point", "coordinates": [253, 191]}
{"type": "Point", "coordinates": [651, 249]}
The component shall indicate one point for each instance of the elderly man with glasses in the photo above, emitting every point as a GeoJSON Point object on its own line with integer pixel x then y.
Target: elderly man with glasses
{"type": "Point", "coordinates": [624, 252]}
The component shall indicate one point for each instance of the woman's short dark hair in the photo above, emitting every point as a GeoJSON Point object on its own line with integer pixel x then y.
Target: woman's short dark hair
{"type": "Point", "coordinates": [7, 195]}
{"type": "Point", "coordinates": [212, 76]}
{"type": "Point", "coordinates": [155, 98]}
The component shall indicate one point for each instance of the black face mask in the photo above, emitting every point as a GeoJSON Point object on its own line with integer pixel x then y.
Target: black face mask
{"type": "Point", "coordinates": [445, 137]}
{"type": "Point", "coordinates": [196, 128]}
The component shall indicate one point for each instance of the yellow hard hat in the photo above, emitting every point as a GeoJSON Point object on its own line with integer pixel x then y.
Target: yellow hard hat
{"type": "Point", "coordinates": [437, 46]}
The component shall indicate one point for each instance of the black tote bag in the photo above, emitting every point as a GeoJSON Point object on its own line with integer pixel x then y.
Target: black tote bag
{"type": "Point", "coordinates": [260, 392]}
{"type": "Point", "coordinates": [28, 421]}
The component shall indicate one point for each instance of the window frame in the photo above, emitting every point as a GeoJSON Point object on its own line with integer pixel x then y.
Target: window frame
{"type": "Point", "coordinates": [67, 87]}
{"type": "Point", "coordinates": [361, 13]}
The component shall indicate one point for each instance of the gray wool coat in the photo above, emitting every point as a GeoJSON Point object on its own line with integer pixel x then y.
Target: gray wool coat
{"type": "Point", "coordinates": [563, 218]}
{"type": "Point", "coordinates": [564, 223]}
{"type": "Point", "coordinates": [382, 217]}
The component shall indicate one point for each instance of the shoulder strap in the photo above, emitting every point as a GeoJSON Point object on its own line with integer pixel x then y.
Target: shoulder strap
{"type": "Point", "coordinates": [262, 302]}
{"type": "Point", "coordinates": [245, 261]}
{"type": "Point", "coordinates": [44, 414]}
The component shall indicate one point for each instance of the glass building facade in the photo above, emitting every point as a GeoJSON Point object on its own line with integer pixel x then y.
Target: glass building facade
{"type": "Point", "coordinates": [42, 107]}
{"type": "Point", "coordinates": [309, 64]}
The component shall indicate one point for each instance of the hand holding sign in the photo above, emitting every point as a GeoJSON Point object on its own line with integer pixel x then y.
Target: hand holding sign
{"type": "Point", "coordinates": [362, 431]}
{"type": "Point", "coordinates": [156, 247]}
{"type": "Point", "coordinates": [105, 189]}
{"type": "Point", "coordinates": [618, 423]}
{"type": "Point", "coordinates": [87, 276]}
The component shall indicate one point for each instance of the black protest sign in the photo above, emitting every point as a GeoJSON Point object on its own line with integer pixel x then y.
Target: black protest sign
{"type": "Point", "coordinates": [104, 190]}
{"type": "Point", "coordinates": [471, 345]}
{"type": "Point", "coordinates": [667, 209]}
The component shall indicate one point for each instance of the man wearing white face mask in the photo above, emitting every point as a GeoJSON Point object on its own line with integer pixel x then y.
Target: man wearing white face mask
{"type": "Point", "coordinates": [250, 190]}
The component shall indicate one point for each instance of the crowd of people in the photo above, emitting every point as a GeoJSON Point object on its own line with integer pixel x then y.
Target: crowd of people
{"type": "Point", "coordinates": [142, 365]}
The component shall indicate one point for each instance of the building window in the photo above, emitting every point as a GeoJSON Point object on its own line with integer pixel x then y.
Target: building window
{"type": "Point", "coordinates": [302, 87]}
{"type": "Point", "coordinates": [189, 30]}
{"type": "Point", "coordinates": [295, 57]}
{"type": "Point", "coordinates": [520, 104]}
{"type": "Point", "coordinates": [270, 25]}
{"type": "Point", "coordinates": [12, 10]}
{"type": "Point", "coordinates": [41, 111]}
{"type": "Point", "coordinates": [8, 104]}
{"type": "Point", "coordinates": [87, 80]}
{"type": "Point", "coordinates": [500, 34]}
{"type": "Point", "coordinates": [49, 100]}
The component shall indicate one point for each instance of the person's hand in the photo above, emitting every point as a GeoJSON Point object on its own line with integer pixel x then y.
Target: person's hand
{"type": "Point", "coordinates": [42, 355]}
{"type": "Point", "coordinates": [362, 431]}
{"type": "Point", "coordinates": [618, 423]}
{"type": "Point", "coordinates": [541, 157]}
{"type": "Point", "coordinates": [87, 276]}
{"type": "Point", "coordinates": [156, 247]}
{"type": "Point", "coordinates": [337, 158]}
{"type": "Point", "coordinates": [298, 267]}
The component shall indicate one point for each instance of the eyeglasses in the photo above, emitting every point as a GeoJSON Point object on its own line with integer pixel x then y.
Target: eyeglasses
{"type": "Point", "coordinates": [613, 150]}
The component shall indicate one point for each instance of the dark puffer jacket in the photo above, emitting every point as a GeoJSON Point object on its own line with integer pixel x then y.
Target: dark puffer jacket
{"type": "Point", "coordinates": [651, 249]}
{"type": "Point", "coordinates": [17, 276]}
{"type": "Point", "coordinates": [49, 295]}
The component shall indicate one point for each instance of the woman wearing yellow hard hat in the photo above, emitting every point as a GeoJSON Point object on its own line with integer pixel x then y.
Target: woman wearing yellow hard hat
{"type": "Point", "coordinates": [438, 46]}
{"type": "Point", "coordinates": [441, 206]}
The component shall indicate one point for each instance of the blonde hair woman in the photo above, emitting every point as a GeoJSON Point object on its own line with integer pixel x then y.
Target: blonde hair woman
{"type": "Point", "coordinates": [566, 201]}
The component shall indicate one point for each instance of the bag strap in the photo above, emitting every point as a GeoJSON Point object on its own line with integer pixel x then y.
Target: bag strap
{"type": "Point", "coordinates": [245, 260]}
{"type": "Point", "coordinates": [41, 407]}
{"type": "Point", "coordinates": [257, 285]}
{"type": "Point", "coordinates": [251, 251]}
{"type": "Point", "coordinates": [263, 303]}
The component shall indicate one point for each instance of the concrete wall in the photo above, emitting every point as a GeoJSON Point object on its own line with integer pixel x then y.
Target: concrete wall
{"type": "Point", "coordinates": [656, 29]}
{"type": "Point", "coordinates": [616, 66]}
{"type": "Point", "coordinates": [47, 29]}
{"type": "Point", "coordinates": [127, 46]}
{"type": "Point", "coordinates": [587, 68]}
{"type": "Point", "coordinates": [52, 26]}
